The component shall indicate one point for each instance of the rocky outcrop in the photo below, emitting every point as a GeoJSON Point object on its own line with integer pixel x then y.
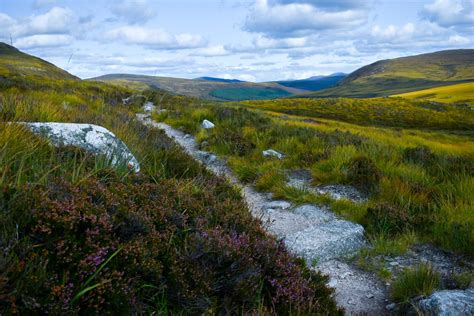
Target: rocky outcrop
{"type": "Point", "coordinates": [449, 302]}
{"type": "Point", "coordinates": [92, 138]}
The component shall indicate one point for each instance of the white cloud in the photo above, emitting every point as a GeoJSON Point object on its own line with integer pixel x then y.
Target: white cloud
{"type": "Point", "coordinates": [393, 33]}
{"type": "Point", "coordinates": [449, 13]}
{"type": "Point", "coordinates": [300, 18]}
{"type": "Point", "coordinates": [212, 51]}
{"type": "Point", "coordinates": [155, 38]}
{"type": "Point", "coordinates": [56, 21]}
{"type": "Point", "coordinates": [134, 11]}
{"type": "Point", "coordinates": [6, 24]}
{"type": "Point", "coordinates": [43, 40]}
{"type": "Point", "coordinates": [458, 40]}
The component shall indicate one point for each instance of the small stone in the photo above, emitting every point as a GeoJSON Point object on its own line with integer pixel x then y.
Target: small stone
{"type": "Point", "coordinates": [391, 307]}
{"type": "Point", "coordinates": [272, 153]}
{"type": "Point", "coordinates": [279, 205]}
{"type": "Point", "coordinates": [370, 295]}
{"type": "Point", "coordinates": [207, 124]}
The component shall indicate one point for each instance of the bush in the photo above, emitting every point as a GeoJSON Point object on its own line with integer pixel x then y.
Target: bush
{"type": "Point", "coordinates": [189, 244]}
{"type": "Point", "coordinates": [363, 174]}
{"type": "Point", "coordinates": [387, 219]}
{"type": "Point", "coordinates": [420, 155]}
{"type": "Point", "coordinates": [413, 282]}
{"type": "Point", "coordinates": [233, 140]}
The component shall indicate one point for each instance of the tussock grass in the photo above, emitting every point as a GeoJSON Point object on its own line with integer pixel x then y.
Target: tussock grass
{"type": "Point", "coordinates": [418, 175]}
{"type": "Point", "coordinates": [81, 237]}
{"type": "Point", "coordinates": [420, 280]}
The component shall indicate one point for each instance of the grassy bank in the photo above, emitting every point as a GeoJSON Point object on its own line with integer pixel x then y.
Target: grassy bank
{"type": "Point", "coordinates": [418, 179]}
{"type": "Point", "coordinates": [81, 237]}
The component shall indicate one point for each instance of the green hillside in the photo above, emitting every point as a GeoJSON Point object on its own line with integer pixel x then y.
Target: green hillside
{"type": "Point", "coordinates": [15, 64]}
{"type": "Point", "coordinates": [456, 93]}
{"type": "Point", "coordinates": [400, 75]}
{"type": "Point", "coordinates": [207, 89]}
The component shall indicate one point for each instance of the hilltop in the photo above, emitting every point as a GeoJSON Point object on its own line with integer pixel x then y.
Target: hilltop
{"type": "Point", "coordinates": [14, 64]}
{"type": "Point", "coordinates": [218, 90]}
{"type": "Point", "coordinates": [405, 74]}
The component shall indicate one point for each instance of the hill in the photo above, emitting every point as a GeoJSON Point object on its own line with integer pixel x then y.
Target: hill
{"type": "Point", "coordinates": [456, 93]}
{"type": "Point", "coordinates": [218, 79]}
{"type": "Point", "coordinates": [207, 89]}
{"type": "Point", "coordinates": [405, 74]}
{"type": "Point", "coordinates": [14, 64]}
{"type": "Point", "coordinates": [315, 83]}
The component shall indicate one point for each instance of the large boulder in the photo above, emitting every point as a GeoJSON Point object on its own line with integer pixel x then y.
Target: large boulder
{"type": "Point", "coordinates": [92, 138]}
{"type": "Point", "coordinates": [449, 302]}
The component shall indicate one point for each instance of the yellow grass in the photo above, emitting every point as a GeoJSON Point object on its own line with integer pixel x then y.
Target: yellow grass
{"type": "Point", "coordinates": [456, 93]}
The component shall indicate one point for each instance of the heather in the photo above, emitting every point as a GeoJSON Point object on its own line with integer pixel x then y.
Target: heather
{"type": "Point", "coordinates": [81, 237]}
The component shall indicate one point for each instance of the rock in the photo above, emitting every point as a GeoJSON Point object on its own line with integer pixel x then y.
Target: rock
{"type": "Point", "coordinates": [449, 302]}
{"type": "Point", "coordinates": [206, 157]}
{"type": "Point", "coordinates": [207, 124]}
{"type": "Point", "coordinates": [391, 306]}
{"type": "Point", "coordinates": [334, 239]}
{"type": "Point", "coordinates": [279, 205]}
{"type": "Point", "coordinates": [148, 107]}
{"type": "Point", "coordinates": [272, 153]}
{"type": "Point", "coordinates": [92, 138]}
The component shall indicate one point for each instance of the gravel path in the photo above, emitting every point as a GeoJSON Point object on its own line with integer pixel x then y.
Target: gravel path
{"type": "Point", "coordinates": [310, 231]}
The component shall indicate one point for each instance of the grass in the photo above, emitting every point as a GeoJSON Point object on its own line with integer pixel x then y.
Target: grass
{"type": "Point", "coordinates": [82, 237]}
{"type": "Point", "coordinates": [457, 93]}
{"type": "Point", "coordinates": [418, 178]}
{"type": "Point", "coordinates": [406, 74]}
{"type": "Point", "coordinates": [413, 282]}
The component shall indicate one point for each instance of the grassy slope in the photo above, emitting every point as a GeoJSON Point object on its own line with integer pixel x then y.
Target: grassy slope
{"type": "Point", "coordinates": [14, 64]}
{"type": "Point", "coordinates": [394, 76]}
{"type": "Point", "coordinates": [213, 90]}
{"type": "Point", "coordinates": [419, 180]}
{"type": "Point", "coordinates": [457, 93]}
{"type": "Point", "coordinates": [314, 85]}
{"type": "Point", "coordinates": [80, 237]}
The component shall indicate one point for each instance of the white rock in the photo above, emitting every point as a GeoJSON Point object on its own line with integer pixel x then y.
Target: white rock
{"type": "Point", "coordinates": [92, 138]}
{"type": "Point", "coordinates": [334, 239]}
{"type": "Point", "coordinates": [207, 124]}
{"type": "Point", "coordinates": [148, 107]}
{"type": "Point", "coordinates": [449, 302]}
{"type": "Point", "coordinates": [272, 153]}
{"type": "Point", "coordinates": [279, 205]}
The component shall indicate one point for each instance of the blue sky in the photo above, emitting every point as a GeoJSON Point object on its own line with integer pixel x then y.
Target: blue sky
{"type": "Point", "coordinates": [255, 40]}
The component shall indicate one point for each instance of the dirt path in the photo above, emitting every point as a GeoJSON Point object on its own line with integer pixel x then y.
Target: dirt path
{"type": "Point", "coordinates": [310, 231]}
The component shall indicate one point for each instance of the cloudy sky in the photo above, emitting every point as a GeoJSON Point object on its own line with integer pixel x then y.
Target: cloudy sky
{"type": "Point", "coordinates": [255, 40]}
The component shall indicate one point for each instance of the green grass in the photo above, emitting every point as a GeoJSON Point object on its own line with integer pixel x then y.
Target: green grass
{"type": "Point", "coordinates": [82, 237]}
{"type": "Point", "coordinates": [418, 178]}
{"type": "Point", "coordinates": [457, 93]}
{"type": "Point", "coordinates": [413, 282]}
{"type": "Point", "coordinates": [238, 94]}
{"type": "Point", "coordinates": [400, 75]}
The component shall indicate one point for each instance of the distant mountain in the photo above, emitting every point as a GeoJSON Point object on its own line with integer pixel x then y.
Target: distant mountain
{"type": "Point", "coordinates": [400, 75]}
{"type": "Point", "coordinates": [15, 64]}
{"type": "Point", "coordinates": [218, 79]}
{"type": "Point", "coordinates": [209, 89]}
{"type": "Point", "coordinates": [314, 83]}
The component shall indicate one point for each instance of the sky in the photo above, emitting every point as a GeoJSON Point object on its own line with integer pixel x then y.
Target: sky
{"type": "Point", "coordinates": [252, 40]}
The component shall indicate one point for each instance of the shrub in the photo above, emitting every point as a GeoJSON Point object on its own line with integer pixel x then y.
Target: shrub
{"type": "Point", "coordinates": [421, 155]}
{"type": "Point", "coordinates": [387, 219]}
{"type": "Point", "coordinates": [195, 251]}
{"type": "Point", "coordinates": [413, 282]}
{"type": "Point", "coordinates": [233, 140]}
{"type": "Point", "coordinates": [363, 174]}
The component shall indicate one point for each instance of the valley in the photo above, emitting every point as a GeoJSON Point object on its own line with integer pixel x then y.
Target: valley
{"type": "Point", "coordinates": [353, 198]}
